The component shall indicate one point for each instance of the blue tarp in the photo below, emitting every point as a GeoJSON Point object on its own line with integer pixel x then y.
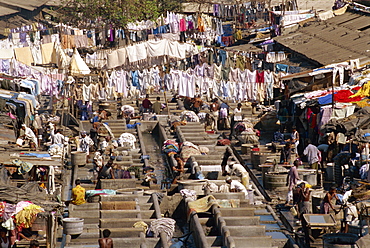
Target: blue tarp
{"type": "Point", "coordinates": [37, 155]}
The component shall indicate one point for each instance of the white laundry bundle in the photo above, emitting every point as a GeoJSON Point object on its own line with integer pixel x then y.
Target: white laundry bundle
{"type": "Point", "coordinates": [127, 138]}
{"type": "Point", "coordinates": [166, 225]}
{"type": "Point", "coordinates": [188, 193]}
{"type": "Point", "coordinates": [189, 116]}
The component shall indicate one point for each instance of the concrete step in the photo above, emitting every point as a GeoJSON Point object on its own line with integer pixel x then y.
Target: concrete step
{"type": "Point", "coordinates": [229, 212]}
{"type": "Point", "coordinates": [121, 223]}
{"type": "Point", "coordinates": [89, 235]}
{"type": "Point", "coordinates": [120, 214]}
{"type": "Point", "coordinates": [123, 232]}
{"type": "Point", "coordinates": [253, 242]}
{"type": "Point", "coordinates": [124, 163]}
{"type": "Point", "coordinates": [93, 242]}
{"type": "Point", "coordinates": [85, 214]}
{"type": "Point", "coordinates": [247, 231]}
{"type": "Point", "coordinates": [122, 197]}
{"type": "Point", "coordinates": [86, 206]}
{"type": "Point", "coordinates": [146, 206]}
{"type": "Point", "coordinates": [208, 162]}
{"type": "Point", "coordinates": [136, 242]}
{"type": "Point", "coordinates": [214, 241]}
{"type": "Point", "coordinates": [91, 221]}
{"type": "Point", "coordinates": [242, 221]}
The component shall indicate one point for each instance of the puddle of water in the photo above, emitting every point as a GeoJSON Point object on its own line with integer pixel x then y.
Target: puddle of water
{"type": "Point", "coordinates": [277, 235]}
{"type": "Point", "coordinates": [266, 218]}
{"type": "Point", "coordinates": [156, 159]}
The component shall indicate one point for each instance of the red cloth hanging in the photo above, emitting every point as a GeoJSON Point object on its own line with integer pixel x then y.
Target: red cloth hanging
{"type": "Point", "coordinates": [260, 77]}
{"type": "Point", "coordinates": [343, 96]}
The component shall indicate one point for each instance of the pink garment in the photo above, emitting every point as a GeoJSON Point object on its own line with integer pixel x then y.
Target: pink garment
{"type": "Point", "coordinates": [182, 25]}
{"type": "Point", "coordinates": [21, 205]}
{"type": "Point", "coordinates": [11, 115]}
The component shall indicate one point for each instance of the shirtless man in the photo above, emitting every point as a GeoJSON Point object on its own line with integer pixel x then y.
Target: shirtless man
{"type": "Point", "coordinates": [106, 242]}
{"type": "Point", "coordinates": [197, 104]}
{"type": "Point", "coordinates": [179, 169]}
{"type": "Point", "coordinates": [304, 199]}
{"type": "Point", "coordinates": [326, 203]}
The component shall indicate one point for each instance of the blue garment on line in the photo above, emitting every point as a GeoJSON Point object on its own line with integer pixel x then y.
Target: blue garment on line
{"type": "Point", "coordinates": [326, 99]}
{"type": "Point", "coordinates": [135, 78]}
{"type": "Point", "coordinates": [222, 56]}
{"type": "Point", "coordinates": [281, 67]}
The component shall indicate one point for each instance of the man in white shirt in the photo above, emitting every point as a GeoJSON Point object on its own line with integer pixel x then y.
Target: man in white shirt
{"type": "Point", "coordinates": [313, 155]}
{"type": "Point", "coordinates": [57, 138]}
{"type": "Point", "coordinates": [236, 186]}
{"type": "Point", "coordinates": [85, 143]}
{"type": "Point", "coordinates": [29, 135]}
{"type": "Point", "coordinates": [350, 213]}
{"type": "Point", "coordinates": [238, 170]}
{"type": "Point", "coordinates": [236, 119]}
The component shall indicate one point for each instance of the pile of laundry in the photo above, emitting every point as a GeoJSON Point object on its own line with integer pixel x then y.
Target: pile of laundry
{"type": "Point", "coordinates": [24, 167]}
{"type": "Point", "coordinates": [128, 110]}
{"type": "Point", "coordinates": [127, 138]}
{"type": "Point", "coordinates": [188, 149]}
{"type": "Point", "coordinates": [166, 225]}
{"type": "Point", "coordinates": [21, 214]}
{"type": "Point", "coordinates": [91, 193]}
{"type": "Point", "coordinates": [189, 193]}
{"type": "Point", "coordinates": [189, 116]}
{"type": "Point", "coordinates": [170, 147]}
{"type": "Point", "coordinates": [177, 123]}
{"type": "Point", "coordinates": [56, 150]}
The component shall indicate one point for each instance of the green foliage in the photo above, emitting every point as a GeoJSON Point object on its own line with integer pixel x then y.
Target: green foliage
{"type": "Point", "coordinates": [118, 12]}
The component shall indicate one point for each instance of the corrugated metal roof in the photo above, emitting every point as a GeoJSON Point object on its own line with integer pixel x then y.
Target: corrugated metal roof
{"type": "Point", "coordinates": [7, 11]}
{"type": "Point", "coordinates": [25, 4]}
{"type": "Point", "coordinates": [335, 40]}
{"type": "Point", "coordinates": [196, 7]}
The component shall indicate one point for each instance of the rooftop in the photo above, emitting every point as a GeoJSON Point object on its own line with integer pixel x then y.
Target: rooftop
{"type": "Point", "coordinates": [335, 40]}
{"type": "Point", "coordinates": [13, 6]}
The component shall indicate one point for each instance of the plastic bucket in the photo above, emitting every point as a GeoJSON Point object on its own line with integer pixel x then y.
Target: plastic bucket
{"type": "Point", "coordinates": [340, 240]}
{"type": "Point", "coordinates": [78, 158]}
{"type": "Point", "coordinates": [196, 185]}
{"type": "Point", "coordinates": [73, 226]}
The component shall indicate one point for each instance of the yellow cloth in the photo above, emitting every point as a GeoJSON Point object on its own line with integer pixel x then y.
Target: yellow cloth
{"type": "Point", "coordinates": [340, 11]}
{"type": "Point", "coordinates": [48, 54]}
{"type": "Point", "coordinates": [78, 195]}
{"type": "Point", "coordinates": [203, 204]}
{"type": "Point", "coordinates": [24, 55]}
{"type": "Point", "coordinates": [26, 216]}
{"type": "Point", "coordinates": [245, 179]}
{"type": "Point", "coordinates": [363, 103]}
{"type": "Point", "coordinates": [141, 224]}
{"type": "Point", "coordinates": [238, 35]}
{"type": "Point", "coordinates": [364, 91]}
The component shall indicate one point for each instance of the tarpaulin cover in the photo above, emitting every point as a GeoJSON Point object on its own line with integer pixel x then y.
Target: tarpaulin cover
{"type": "Point", "coordinates": [349, 125]}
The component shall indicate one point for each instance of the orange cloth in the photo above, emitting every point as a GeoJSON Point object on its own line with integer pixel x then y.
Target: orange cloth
{"type": "Point", "coordinates": [78, 195]}
{"type": "Point", "coordinates": [201, 27]}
